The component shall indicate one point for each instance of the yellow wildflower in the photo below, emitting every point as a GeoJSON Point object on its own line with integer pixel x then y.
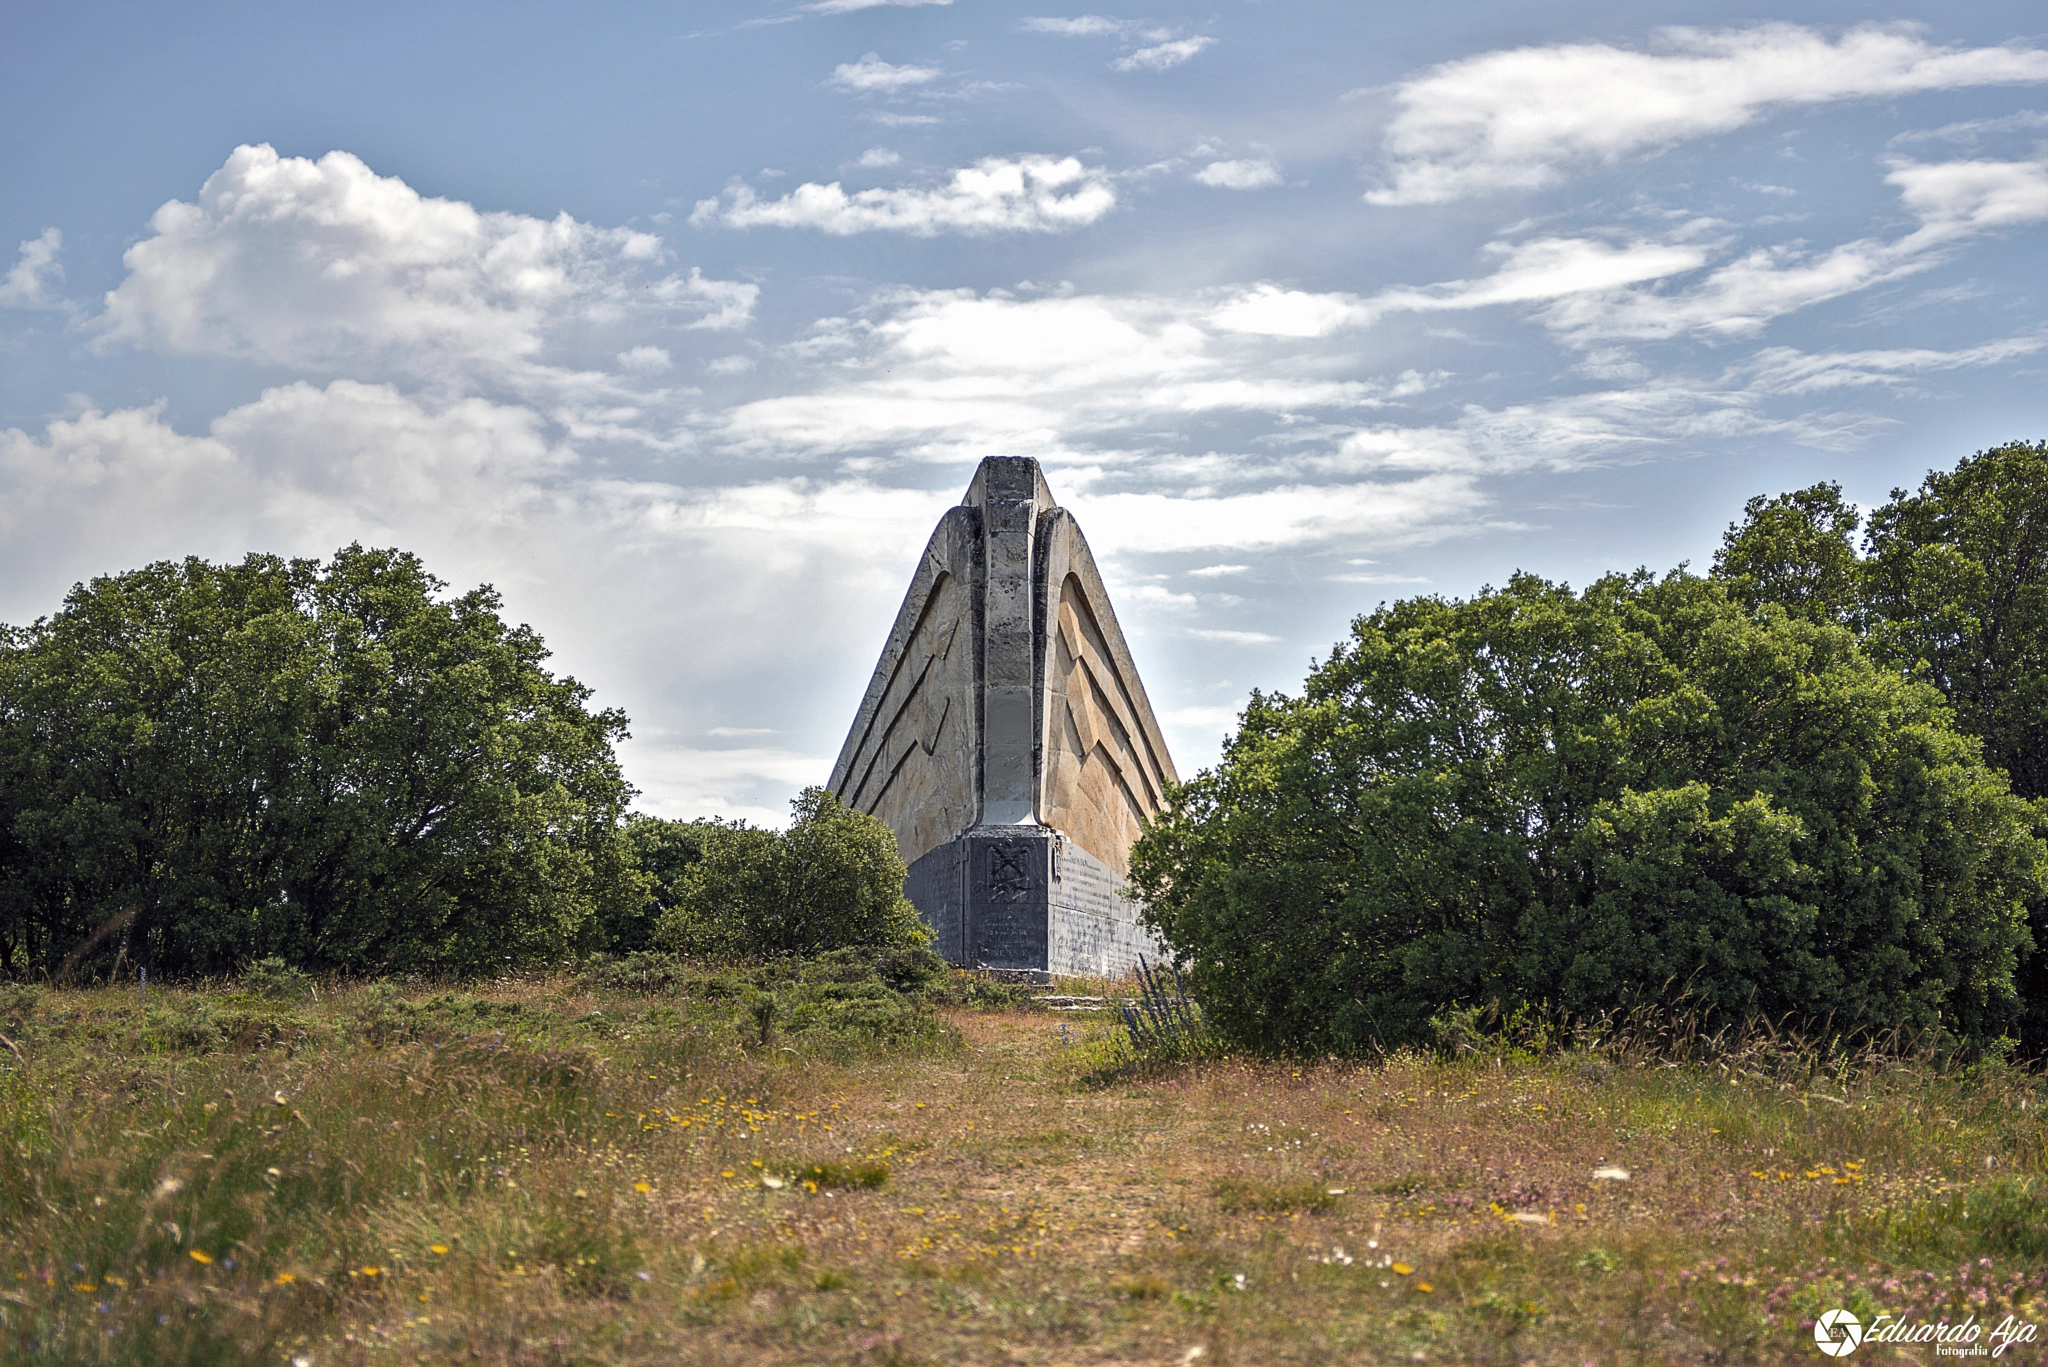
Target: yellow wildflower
{"type": "Point", "coordinates": [198, 1257]}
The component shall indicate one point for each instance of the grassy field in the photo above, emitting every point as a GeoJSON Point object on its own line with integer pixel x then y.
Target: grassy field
{"type": "Point", "coordinates": [736, 1169]}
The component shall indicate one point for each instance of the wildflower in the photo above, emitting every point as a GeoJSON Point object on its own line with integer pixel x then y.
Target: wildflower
{"type": "Point", "coordinates": [284, 1278]}
{"type": "Point", "coordinates": [642, 1187]}
{"type": "Point", "coordinates": [203, 1259]}
{"type": "Point", "coordinates": [1610, 1174]}
{"type": "Point", "coordinates": [1424, 1287]}
{"type": "Point", "coordinates": [372, 1271]}
{"type": "Point", "coordinates": [728, 1173]}
{"type": "Point", "coordinates": [438, 1250]}
{"type": "Point", "coordinates": [1402, 1269]}
{"type": "Point", "coordinates": [84, 1286]}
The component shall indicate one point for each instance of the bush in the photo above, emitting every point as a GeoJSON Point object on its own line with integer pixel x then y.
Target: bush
{"type": "Point", "coordinates": [274, 978]}
{"type": "Point", "coordinates": [1577, 802]}
{"type": "Point", "coordinates": [833, 880]}
{"type": "Point", "coordinates": [331, 764]}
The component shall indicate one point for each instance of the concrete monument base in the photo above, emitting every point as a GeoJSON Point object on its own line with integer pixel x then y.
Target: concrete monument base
{"type": "Point", "coordinates": [1026, 900]}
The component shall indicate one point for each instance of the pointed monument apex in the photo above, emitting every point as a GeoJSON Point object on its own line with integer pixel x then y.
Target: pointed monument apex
{"type": "Point", "coordinates": [1007, 740]}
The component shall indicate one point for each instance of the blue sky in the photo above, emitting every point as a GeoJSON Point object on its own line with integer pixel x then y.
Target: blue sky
{"type": "Point", "coordinates": [681, 324]}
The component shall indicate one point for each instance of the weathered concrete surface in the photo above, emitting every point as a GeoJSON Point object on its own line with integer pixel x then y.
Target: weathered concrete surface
{"type": "Point", "coordinates": [1007, 740]}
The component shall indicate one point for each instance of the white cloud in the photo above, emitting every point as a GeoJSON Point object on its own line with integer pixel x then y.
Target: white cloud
{"type": "Point", "coordinates": [730, 365]}
{"type": "Point", "coordinates": [995, 195]}
{"type": "Point", "coordinates": [28, 283]}
{"type": "Point", "coordinates": [1217, 571]}
{"type": "Point", "coordinates": [1533, 271]}
{"type": "Point", "coordinates": [1162, 55]}
{"type": "Point", "coordinates": [952, 376]}
{"type": "Point", "coordinates": [732, 300]}
{"type": "Point", "coordinates": [1235, 638]}
{"type": "Point", "coordinates": [1239, 175]}
{"type": "Point", "coordinates": [889, 120]}
{"type": "Point", "coordinates": [1518, 119]}
{"type": "Point", "coordinates": [849, 6]}
{"type": "Point", "coordinates": [879, 156]}
{"type": "Point", "coordinates": [1786, 370]}
{"type": "Point", "coordinates": [1953, 200]}
{"type": "Point", "coordinates": [1083, 26]}
{"type": "Point", "coordinates": [328, 266]}
{"type": "Point", "coordinates": [1958, 198]}
{"type": "Point", "coordinates": [483, 494]}
{"type": "Point", "coordinates": [646, 358]}
{"type": "Point", "coordinates": [871, 74]}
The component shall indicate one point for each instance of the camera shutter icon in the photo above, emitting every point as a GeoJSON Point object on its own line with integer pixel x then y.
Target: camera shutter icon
{"type": "Point", "coordinates": [1837, 1333]}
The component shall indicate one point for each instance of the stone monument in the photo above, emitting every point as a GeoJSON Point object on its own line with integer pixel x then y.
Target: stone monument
{"type": "Point", "coordinates": [1008, 742]}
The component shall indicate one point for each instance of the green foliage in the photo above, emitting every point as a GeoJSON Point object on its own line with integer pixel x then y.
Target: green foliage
{"type": "Point", "coordinates": [324, 763]}
{"type": "Point", "coordinates": [1580, 801]}
{"type": "Point", "coordinates": [832, 880]}
{"type": "Point", "coordinates": [1957, 580]}
{"type": "Point", "coordinates": [277, 980]}
{"type": "Point", "coordinates": [1796, 550]}
{"type": "Point", "coordinates": [660, 852]}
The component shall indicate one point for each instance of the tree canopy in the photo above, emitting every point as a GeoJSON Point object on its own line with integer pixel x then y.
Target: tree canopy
{"type": "Point", "coordinates": [833, 880]}
{"type": "Point", "coordinates": [1952, 585]}
{"type": "Point", "coordinates": [206, 764]}
{"type": "Point", "coordinates": [1574, 800]}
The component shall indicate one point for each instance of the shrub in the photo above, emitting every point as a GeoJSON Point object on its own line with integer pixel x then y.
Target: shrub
{"type": "Point", "coordinates": [272, 977]}
{"type": "Point", "coordinates": [833, 880]}
{"type": "Point", "coordinates": [330, 764]}
{"type": "Point", "coordinates": [1580, 801]}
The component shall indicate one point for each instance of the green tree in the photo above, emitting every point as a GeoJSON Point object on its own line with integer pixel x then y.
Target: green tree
{"type": "Point", "coordinates": [1796, 550]}
{"type": "Point", "coordinates": [327, 763]}
{"type": "Point", "coordinates": [833, 880]}
{"type": "Point", "coordinates": [660, 852]}
{"type": "Point", "coordinates": [1957, 581]}
{"type": "Point", "coordinates": [1579, 800]}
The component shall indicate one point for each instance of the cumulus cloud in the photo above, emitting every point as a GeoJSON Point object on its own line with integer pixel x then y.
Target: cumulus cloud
{"type": "Point", "coordinates": [1239, 175]}
{"type": "Point", "coordinates": [1519, 119]}
{"type": "Point", "coordinates": [29, 283]}
{"type": "Point", "coordinates": [325, 265]}
{"type": "Point", "coordinates": [1031, 194]}
{"type": "Point", "coordinates": [1162, 55]}
{"type": "Point", "coordinates": [871, 74]}
{"type": "Point", "coordinates": [879, 156]}
{"type": "Point", "coordinates": [484, 493]}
